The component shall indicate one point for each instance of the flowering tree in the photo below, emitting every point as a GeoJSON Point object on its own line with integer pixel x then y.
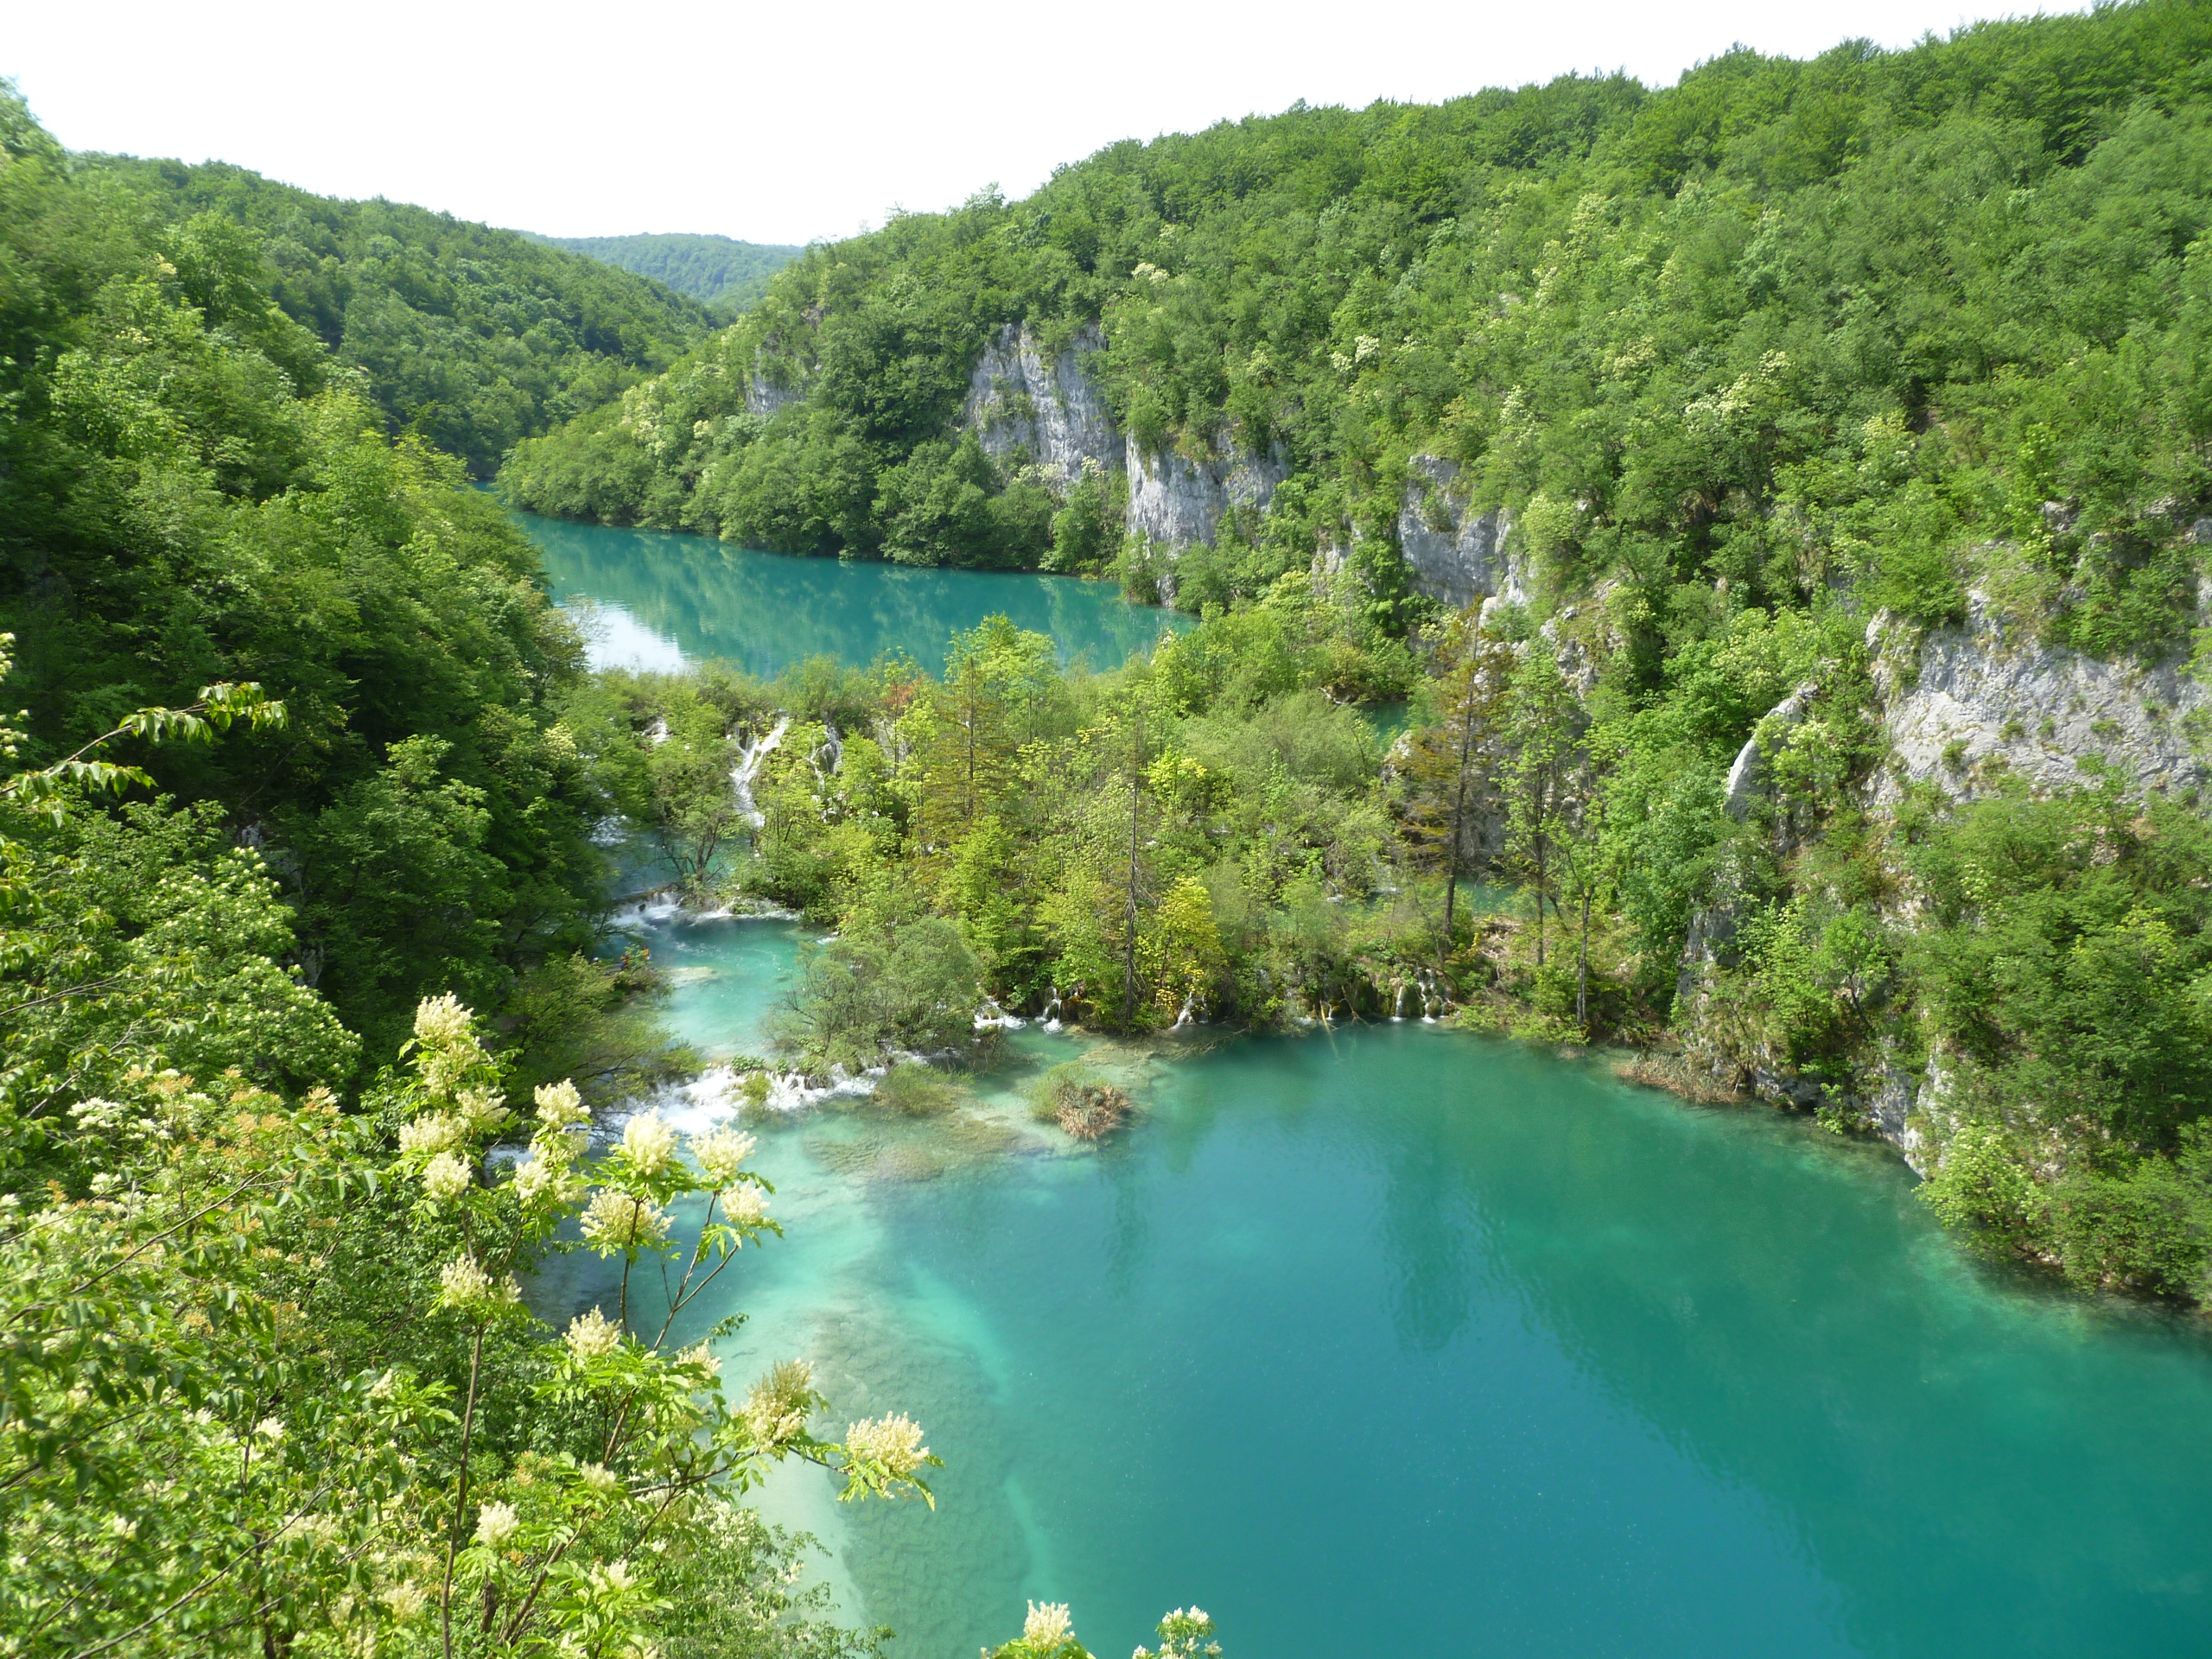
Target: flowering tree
{"type": "Point", "coordinates": [192, 1456]}
{"type": "Point", "coordinates": [557, 1544]}
{"type": "Point", "coordinates": [1049, 1633]}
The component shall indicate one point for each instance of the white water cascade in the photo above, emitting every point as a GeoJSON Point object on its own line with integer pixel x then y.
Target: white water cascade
{"type": "Point", "coordinates": [748, 767]}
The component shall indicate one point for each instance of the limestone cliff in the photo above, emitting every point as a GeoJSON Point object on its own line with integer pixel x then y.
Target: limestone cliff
{"type": "Point", "coordinates": [1964, 706]}
{"type": "Point", "coordinates": [1019, 402]}
{"type": "Point", "coordinates": [1455, 556]}
{"type": "Point", "coordinates": [762, 397]}
{"type": "Point", "coordinates": [1023, 403]}
{"type": "Point", "coordinates": [1176, 502]}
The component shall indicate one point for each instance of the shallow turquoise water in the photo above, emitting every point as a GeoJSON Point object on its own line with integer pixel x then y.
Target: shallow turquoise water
{"type": "Point", "coordinates": [1401, 1341]}
{"type": "Point", "coordinates": [1397, 1342]}
{"type": "Point", "coordinates": [665, 598]}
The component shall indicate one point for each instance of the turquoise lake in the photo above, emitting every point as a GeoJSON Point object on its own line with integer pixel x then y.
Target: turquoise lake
{"type": "Point", "coordinates": [662, 599]}
{"type": "Point", "coordinates": [1393, 1341]}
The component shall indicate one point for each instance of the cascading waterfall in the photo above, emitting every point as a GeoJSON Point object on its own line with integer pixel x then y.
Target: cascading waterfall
{"type": "Point", "coordinates": [748, 767]}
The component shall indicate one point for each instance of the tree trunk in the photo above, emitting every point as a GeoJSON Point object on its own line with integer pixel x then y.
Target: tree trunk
{"type": "Point", "coordinates": [1582, 968]}
{"type": "Point", "coordinates": [1459, 816]}
{"type": "Point", "coordinates": [1129, 945]}
{"type": "Point", "coordinates": [1542, 887]}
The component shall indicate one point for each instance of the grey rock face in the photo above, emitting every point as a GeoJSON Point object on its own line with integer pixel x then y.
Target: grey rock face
{"type": "Point", "coordinates": [1746, 783]}
{"type": "Point", "coordinates": [763, 400]}
{"type": "Point", "coordinates": [1018, 400]}
{"type": "Point", "coordinates": [1178, 502]}
{"type": "Point", "coordinates": [1456, 555]}
{"type": "Point", "coordinates": [1976, 701]}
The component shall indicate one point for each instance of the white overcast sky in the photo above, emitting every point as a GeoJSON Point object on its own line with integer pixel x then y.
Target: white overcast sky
{"type": "Point", "coordinates": [798, 120]}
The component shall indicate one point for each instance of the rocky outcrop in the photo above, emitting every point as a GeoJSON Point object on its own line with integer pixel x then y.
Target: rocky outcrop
{"type": "Point", "coordinates": [1176, 502]}
{"type": "Point", "coordinates": [1747, 778]}
{"type": "Point", "coordinates": [1711, 946]}
{"type": "Point", "coordinates": [1022, 402]}
{"type": "Point", "coordinates": [762, 397]}
{"type": "Point", "coordinates": [1963, 706]}
{"type": "Point", "coordinates": [1456, 555]}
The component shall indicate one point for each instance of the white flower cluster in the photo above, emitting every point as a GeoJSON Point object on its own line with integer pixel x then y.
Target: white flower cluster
{"type": "Point", "coordinates": [592, 1336]}
{"type": "Point", "coordinates": [445, 1178]}
{"type": "Point", "coordinates": [496, 1523]}
{"type": "Point", "coordinates": [895, 1442]}
{"type": "Point", "coordinates": [446, 1046]}
{"type": "Point", "coordinates": [649, 1144]}
{"type": "Point", "coordinates": [484, 1111]}
{"type": "Point", "coordinates": [433, 1132]}
{"type": "Point", "coordinates": [406, 1599]}
{"type": "Point", "coordinates": [1184, 1634]}
{"type": "Point", "coordinates": [703, 1355]}
{"type": "Point", "coordinates": [722, 1151]}
{"type": "Point", "coordinates": [443, 1021]}
{"type": "Point", "coordinates": [746, 1205]}
{"type": "Point", "coordinates": [1047, 1625]}
{"type": "Point", "coordinates": [538, 1181]}
{"type": "Point", "coordinates": [776, 1411]}
{"type": "Point", "coordinates": [615, 1221]}
{"type": "Point", "coordinates": [468, 1290]}
{"type": "Point", "coordinates": [559, 1105]}
{"type": "Point", "coordinates": [599, 1479]}
{"type": "Point", "coordinates": [548, 1177]}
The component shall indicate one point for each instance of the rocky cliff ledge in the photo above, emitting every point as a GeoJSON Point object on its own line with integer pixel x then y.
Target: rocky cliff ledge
{"type": "Point", "coordinates": [1455, 556]}
{"type": "Point", "coordinates": [1963, 706]}
{"type": "Point", "coordinates": [1019, 401]}
{"type": "Point", "coordinates": [1966, 709]}
{"type": "Point", "coordinates": [1176, 502]}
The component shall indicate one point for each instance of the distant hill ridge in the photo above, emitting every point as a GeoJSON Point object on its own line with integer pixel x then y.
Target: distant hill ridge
{"type": "Point", "coordinates": [720, 271]}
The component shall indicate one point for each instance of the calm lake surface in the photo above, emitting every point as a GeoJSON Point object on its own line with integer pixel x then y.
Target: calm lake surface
{"type": "Point", "coordinates": [1399, 1342]}
{"type": "Point", "coordinates": [664, 599]}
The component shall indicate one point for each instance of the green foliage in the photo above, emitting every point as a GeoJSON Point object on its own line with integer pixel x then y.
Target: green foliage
{"type": "Point", "coordinates": [241, 1323]}
{"type": "Point", "coordinates": [2067, 959]}
{"type": "Point", "coordinates": [909, 986]}
{"type": "Point", "coordinates": [198, 511]}
{"type": "Point", "coordinates": [716, 271]}
{"type": "Point", "coordinates": [469, 338]}
{"type": "Point", "coordinates": [915, 1088]}
{"type": "Point", "coordinates": [1902, 320]}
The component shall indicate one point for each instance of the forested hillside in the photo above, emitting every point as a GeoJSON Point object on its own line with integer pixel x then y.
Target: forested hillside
{"type": "Point", "coordinates": [716, 271]}
{"type": "Point", "coordinates": [1665, 329]}
{"type": "Point", "coordinates": [295, 882]}
{"type": "Point", "coordinates": [1826, 445]}
{"type": "Point", "coordinates": [1713, 570]}
{"type": "Point", "coordinates": [469, 338]}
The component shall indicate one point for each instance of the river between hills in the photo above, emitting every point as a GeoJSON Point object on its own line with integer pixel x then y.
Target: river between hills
{"type": "Point", "coordinates": [1394, 1341]}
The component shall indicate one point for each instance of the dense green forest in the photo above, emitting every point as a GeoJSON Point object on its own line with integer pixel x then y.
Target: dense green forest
{"type": "Point", "coordinates": [1794, 324]}
{"type": "Point", "coordinates": [295, 883]}
{"type": "Point", "coordinates": [1748, 364]}
{"type": "Point", "coordinates": [717, 271]}
{"type": "Point", "coordinates": [1777, 374]}
{"type": "Point", "coordinates": [297, 890]}
{"type": "Point", "coordinates": [469, 338]}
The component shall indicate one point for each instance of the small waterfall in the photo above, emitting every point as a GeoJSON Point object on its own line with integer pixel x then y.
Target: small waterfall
{"type": "Point", "coordinates": [748, 767]}
{"type": "Point", "coordinates": [1188, 1013]}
